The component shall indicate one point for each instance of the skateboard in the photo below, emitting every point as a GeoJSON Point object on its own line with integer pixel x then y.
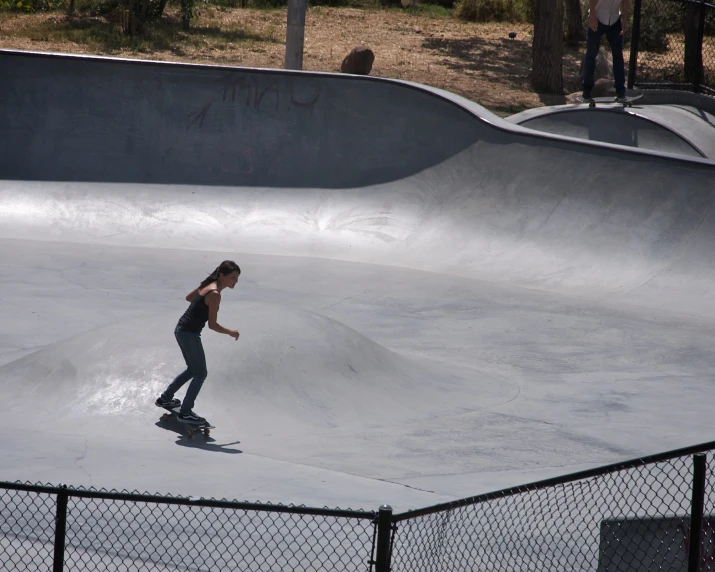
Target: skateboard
{"type": "Point", "coordinates": [625, 102]}
{"type": "Point", "coordinates": [192, 428]}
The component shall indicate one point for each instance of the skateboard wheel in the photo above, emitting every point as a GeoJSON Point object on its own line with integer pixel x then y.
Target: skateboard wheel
{"type": "Point", "coordinates": [190, 433]}
{"type": "Point", "coordinates": [165, 417]}
{"type": "Point", "coordinates": [206, 432]}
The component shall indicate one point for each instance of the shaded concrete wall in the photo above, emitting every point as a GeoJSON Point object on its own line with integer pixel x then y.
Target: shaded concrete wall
{"type": "Point", "coordinates": [84, 119]}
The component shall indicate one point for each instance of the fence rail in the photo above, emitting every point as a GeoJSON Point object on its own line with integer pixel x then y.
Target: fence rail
{"type": "Point", "coordinates": [84, 529]}
{"type": "Point", "coordinates": [650, 513]}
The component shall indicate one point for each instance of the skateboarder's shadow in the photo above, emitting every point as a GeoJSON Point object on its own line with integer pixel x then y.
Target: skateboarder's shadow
{"type": "Point", "coordinates": [198, 441]}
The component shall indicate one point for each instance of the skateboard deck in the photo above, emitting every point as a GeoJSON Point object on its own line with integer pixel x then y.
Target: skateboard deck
{"type": "Point", "coordinates": [192, 428]}
{"type": "Point", "coordinates": [625, 102]}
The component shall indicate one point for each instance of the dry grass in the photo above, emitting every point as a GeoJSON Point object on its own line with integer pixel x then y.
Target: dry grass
{"type": "Point", "coordinates": [668, 66]}
{"type": "Point", "coordinates": [475, 60]}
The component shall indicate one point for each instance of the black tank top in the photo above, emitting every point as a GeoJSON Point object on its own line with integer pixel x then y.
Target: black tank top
{"type": "Point", "coordinates": [196, 315]}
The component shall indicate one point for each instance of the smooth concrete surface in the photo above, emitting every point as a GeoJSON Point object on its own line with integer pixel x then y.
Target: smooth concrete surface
{"type": "Point", "coordinates": [668, 128]}
{"type": "Point", "coordinates": [434, 302]}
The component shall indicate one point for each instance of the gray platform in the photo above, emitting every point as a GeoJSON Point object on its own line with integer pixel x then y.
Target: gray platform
{"type": "Point", "coordinates": [666, 127]}
{"type": "Point", "coordinates": [435, 302]}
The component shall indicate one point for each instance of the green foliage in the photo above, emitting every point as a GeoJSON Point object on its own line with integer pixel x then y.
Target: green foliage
{"type": "Point", "coordinates": [495, 10]}
{"type": "Point", "coordinates": [31, 5]}
{"type": "Point", "coordinates": [525, 9]}
{"type": "Point", "coordinates": [431, 10]}
{"type": "Point", "coordinates": [659, 18]}
{"type": "Point", "coordinates": [19, 6]}
{"type": "Point", "coordinates": [188, 10]}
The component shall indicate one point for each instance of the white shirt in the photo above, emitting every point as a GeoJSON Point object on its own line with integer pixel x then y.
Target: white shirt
{"type": "Point", "coordinates": [608, 11]}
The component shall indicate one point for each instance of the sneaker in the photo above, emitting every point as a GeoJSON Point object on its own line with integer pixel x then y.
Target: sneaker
{"type": "Point", "coordinates": [620, 96]}
{"type": "Point", "coordinates": [172, 403]}
{"type": "Point", "coordinates": [586, 96]}
{"type": "Point", "coordinates": [191, 417]}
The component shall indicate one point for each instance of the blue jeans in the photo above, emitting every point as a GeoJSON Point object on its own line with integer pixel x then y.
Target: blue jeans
{"type": "Point", "coordinates": [593, 43]}
{"type": "Point", "coordinates": [193, 352]}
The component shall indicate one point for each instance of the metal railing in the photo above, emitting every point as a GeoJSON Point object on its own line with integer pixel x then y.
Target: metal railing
{"type": "Point", "coordinates": [650, 513]}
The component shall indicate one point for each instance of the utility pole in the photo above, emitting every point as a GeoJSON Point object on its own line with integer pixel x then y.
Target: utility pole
{"type": "Point", "coordinates": [295, 35]}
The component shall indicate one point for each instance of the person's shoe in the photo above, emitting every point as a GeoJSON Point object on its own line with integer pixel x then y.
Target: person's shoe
{"type": "Point", "coordinates": [586, 95]}
{"type": "Point", "coordinates": [172, 403]}
{"type": "Point", "coordinates": [191, 417]}
{"type": "Point", "coordinates": [620, 96]}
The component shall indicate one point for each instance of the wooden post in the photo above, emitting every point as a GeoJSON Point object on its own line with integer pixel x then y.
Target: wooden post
{"type": "Point", "coordinates": [295, 35]}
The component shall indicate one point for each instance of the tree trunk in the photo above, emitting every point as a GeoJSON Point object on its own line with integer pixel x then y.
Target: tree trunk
{"type": "Point", "coordinates": [547, 47]}
{"type": "Point", "coordinates": [162, 6]}
{"type": "Point", "coordinates": [575, 30]}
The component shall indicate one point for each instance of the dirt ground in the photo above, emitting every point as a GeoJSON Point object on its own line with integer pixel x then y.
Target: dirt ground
{"type": "Point", "coordinates": [478, 61]}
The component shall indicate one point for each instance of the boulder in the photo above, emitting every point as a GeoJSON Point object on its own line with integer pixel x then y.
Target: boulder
{"type": "Point", "coordinates": [604, 66]}
{"type": "Point", "coordinates": [358, 61]}
{"type": "Point", "coordinates": [603, 87]}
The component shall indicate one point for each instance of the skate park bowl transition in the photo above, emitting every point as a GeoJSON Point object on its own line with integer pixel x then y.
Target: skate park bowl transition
{"type": "Point", "coordinates": [680, 129]}
{"type": "Point", "coordinates": [434, 301]}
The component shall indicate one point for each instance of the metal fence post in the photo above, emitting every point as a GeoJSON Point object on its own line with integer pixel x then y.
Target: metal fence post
{"type": "Point", "coordinates": [635, 34]}
{"type": "Point", "coordinates": [696, 512]}
{"type": "Point", "coordinates": [60, 529]}
{"type": "Point", "coordinates": [384, 522]}
{"type": "Point", "coordinates": [700, 77]}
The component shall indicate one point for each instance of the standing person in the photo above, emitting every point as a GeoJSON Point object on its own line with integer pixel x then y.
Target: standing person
{"type": "Point", "coordinates": [608, 17]}
{"type": "Point", "coordinates": [204, 303]}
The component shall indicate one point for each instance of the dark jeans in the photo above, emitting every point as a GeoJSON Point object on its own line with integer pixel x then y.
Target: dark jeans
{"type": "Point", "coordinates": [613, 35]}
{"type": "Point", "coordinates": [195, 359]}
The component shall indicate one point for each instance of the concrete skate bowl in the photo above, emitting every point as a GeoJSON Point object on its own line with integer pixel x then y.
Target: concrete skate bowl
{"type": "Point", "coordinates": [433, 302]}
{"type": "Point", "coordinates": [662, 128]}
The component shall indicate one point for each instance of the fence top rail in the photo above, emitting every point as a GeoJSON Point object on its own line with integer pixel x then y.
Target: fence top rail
{"type": "Point", "coordinates": [696, 2]}
{"type": "Point", "coordinates": [187, 501]}
{"type": "Point", "coordinates": [554, 481]}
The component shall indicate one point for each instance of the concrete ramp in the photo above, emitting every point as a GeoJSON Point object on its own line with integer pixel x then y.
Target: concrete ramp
{"type": "Point", "coordinates": [367, 171]}
{"type": "Point", "coordinates": [304, 371]}
{"type": "Point", "coordinates": [663, 128]}
{"type": "Point", "coordinates": [434, 301]}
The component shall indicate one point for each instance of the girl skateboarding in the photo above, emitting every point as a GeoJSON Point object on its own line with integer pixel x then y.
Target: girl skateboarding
{"type": "Point", "coordinates": [204, 303]}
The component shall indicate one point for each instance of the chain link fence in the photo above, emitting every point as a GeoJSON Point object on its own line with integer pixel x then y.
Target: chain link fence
{"type": "Point", "coordinates": [652, 513]}
{"type": "Point", "coordinates": [673, 45]}
{"type": "Point", "coordinates": [626, 517]}
{"type": "Point", "coordinates": [48, 528]}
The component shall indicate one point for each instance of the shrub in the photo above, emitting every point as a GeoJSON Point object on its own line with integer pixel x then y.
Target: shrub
{"type": "Point", "coordinates": [32, 5]}
{"type": "Point", "coordinates": [657, 20]}
{"type": "Point", "coordinates": [494, 10]}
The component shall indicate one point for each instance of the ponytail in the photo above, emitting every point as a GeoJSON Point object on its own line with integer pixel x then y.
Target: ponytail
{"type": "Point", "coordinates": [226, 267]}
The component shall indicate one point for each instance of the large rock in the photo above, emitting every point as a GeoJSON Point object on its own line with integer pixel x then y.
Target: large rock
{"type": "Point", "coordinates": [358, 61]}
{"type": "Point", "coordinates": [603, 85]}
{"type": "Point", "coordinates": [604, 66]}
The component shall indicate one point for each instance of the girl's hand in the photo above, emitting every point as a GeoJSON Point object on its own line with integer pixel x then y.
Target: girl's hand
{"type": "Point", "coordinates": [234, 334]}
